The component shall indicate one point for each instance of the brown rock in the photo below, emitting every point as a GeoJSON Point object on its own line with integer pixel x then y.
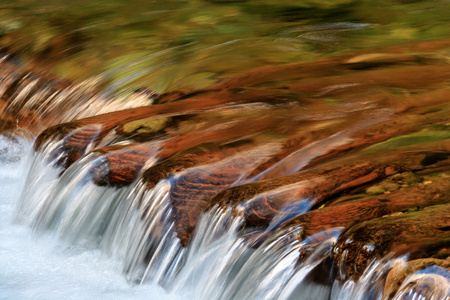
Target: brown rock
{"type": "Point", "coordinates": [420, 233]}
{"type": "Point", "coordinates": [349, 213]}
{"type": "Point", "coordinates": [259, 204]}
{"type": "Point", "coordinates": [192, 189]}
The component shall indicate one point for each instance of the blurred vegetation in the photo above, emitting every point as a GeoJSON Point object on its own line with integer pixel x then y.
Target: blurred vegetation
{"type": "Point", "coordinates": [174, 44]}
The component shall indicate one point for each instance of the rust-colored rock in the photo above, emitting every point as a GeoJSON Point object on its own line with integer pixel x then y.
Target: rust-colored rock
{"type": "Point", "coordinates": [407, 77]}
{"type": "Point", "coordinates": [111, 120]}
{"type": "Point", "coordinates": [192, 189]}
{"type": "Point", "coordinates": [421, 234]}
{"type": "Point", "coordinates": [181, 162]}
{"type": "Point", "coordinates": [386, 56]}
{"type": "Point", "coordinates": [348, 213]}
{"type": "Point", "coordinates": [121, 164]}
{"type": "Point", "coordinates": [69, 151]}
{"type": "Point", "coordinates": [260, 201]}
{"type": "Point", "coordinates": [80, 138]}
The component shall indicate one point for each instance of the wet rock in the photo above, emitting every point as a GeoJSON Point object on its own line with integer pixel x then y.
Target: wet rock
{"type": "Point", "coordinates": [109, 121]}
{"type": "Point", "coordinates": [192, 189]}
{"type": "Point", "coordinates": [124, 162]}
{"type": "Point", "coordinates": [120, 167]}
{"type": "Point", "coordinates": [259, 202]}
{"type": "Point", "coordinates": [399, 273]}
{"type": "Point", "coordinates": [70, 150]}
{"type": "Point", "coordinates": [431, 283]}
{"type": "Point", "coordinates": [259, 205]}
{"type": "Point", "coordinates": [418, 233]}
{"type": "Point", "coordinates": [144, 123]}
{"type": "Point", "coordinates": [349, 213]}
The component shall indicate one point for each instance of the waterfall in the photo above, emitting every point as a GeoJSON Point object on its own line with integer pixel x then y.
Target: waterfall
{"type": "Point", "coordinates": [224, 150]}
{"type": "Point", "coordinates": [134, 225]}
{"type": "Point", "coordinates": [162, 228]}
{"type": "Point", "coordinates": [138, 226]}
{"type": "Point", "coordinates": [369, 286]}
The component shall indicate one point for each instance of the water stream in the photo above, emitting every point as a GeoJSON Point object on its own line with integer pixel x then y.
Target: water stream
{"type": "Point", "coordinates": [86, 237]}
{"type": "Point", "coordinates": [252, 109]}
{"type": "Point", "coordinates": [43, 268]}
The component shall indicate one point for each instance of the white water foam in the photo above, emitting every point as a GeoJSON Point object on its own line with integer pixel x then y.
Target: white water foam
{"type": "Point", "coordinates": [35, 269]}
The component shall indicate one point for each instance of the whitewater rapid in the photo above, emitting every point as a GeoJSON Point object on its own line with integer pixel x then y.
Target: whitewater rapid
{"type": "Point", "coordinates": [37, 268]}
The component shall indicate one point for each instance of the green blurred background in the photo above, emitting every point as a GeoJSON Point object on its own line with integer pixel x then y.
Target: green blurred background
{"type": "Point", "coordinates": [170, 45]}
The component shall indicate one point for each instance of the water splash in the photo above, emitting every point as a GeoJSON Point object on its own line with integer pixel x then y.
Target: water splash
{"type": "Point", "coordinates": [42, 177]}
{"type": "Point", "coordinates": [275, 270]}
{"type": "Point", "coordinates": [370, 285]}
{"type": "Point", "coordinates": [431, 283]}
{"type": "Point", "coordinates": [214, 255]}
{"type": "Point", "coordinates": [33, 268]}
{"type": "Point", "coordinates": [141, 227]}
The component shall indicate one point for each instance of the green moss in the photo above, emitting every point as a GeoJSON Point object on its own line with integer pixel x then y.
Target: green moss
{"type": "Point", "coordinates": [408, 140]}
{"type": "Point", "coordinates": [148, 125]}
{"type": "Point", "coordinates": [413, 209]}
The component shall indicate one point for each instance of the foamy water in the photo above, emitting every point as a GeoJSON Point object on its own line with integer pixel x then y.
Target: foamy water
{"type": "Point", "coordinates": [40, 268]}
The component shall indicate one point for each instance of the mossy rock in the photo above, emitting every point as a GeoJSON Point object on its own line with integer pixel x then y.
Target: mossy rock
{"type": "Point", "coordinates": [407, 140]}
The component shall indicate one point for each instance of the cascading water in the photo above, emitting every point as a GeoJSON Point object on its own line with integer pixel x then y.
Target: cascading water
{"type": "Point", "coordinates": [45, 268]}
{"type": "Point", "coordinates": [245, 177]}
{"type": "Point", "coordinates": [432, 283]}
{"type": "Point", "coordinates": [134, 225]}
{"type": "Point", "coordinates": [33, 98]}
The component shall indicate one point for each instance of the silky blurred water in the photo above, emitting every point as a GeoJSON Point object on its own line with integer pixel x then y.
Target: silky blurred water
{"type": "Point", "coordinates": [121, 46]}
{"type": "Point", "coordinates": [41, 268]}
